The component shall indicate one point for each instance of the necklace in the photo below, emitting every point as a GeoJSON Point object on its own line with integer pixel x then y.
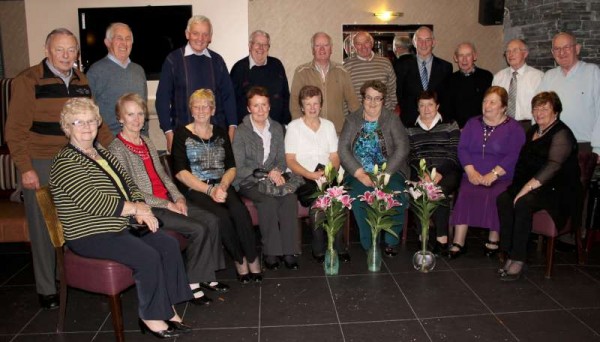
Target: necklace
{"type": "Point", "coordinates": [205, 144]}
{"type": "Point", "coordinates": [92, 154]}
{"type": "Point", "coordinates": [541, 132]}
{"type": "Point", "coordinates": [487, 133]}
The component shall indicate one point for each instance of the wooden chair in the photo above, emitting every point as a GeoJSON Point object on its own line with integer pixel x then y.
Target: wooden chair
{"type": "Point", "coordinates": [544, 225]}
{"type": "Point", "coordinates": [94, 275]}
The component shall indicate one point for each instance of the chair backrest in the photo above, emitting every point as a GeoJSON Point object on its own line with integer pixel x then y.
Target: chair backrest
{"type": "Point", "coordinates": [55, 229]}
{"type": "Point", "coordinates": [587, 164]}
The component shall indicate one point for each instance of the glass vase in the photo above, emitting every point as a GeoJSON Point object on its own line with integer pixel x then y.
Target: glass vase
{"type": "Point", "coordinates": [374, 257]}
{"type": "Point", "coordinates": [423, 261]}
{"type": "Point", "coordinates": [332, 262]}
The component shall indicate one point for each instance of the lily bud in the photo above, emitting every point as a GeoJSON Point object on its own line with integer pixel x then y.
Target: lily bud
{"type": "Point", "coordinates": [375, 169]}
{"type": "Point", "coordinates": [386, 179]}
{"type": "Point", "coordinates": [433, 174]}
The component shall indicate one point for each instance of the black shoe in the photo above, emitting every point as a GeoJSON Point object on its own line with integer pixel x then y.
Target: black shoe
{"type": "Point", "coordinates": [490, 252]}
{"type": "Point", "coordinates": [514, 276]}
{"type": "Point", "coordinates": [218, 287]}
{"type": "Point", "coordinates": [344, 257]}
{"type": "Point", "coordinates": [244, 278]}
{"type": "Point", "coordinates": [271, 262]}
{"type": "Point", "coordinates": [170, 332]}
{"type": "Point", "coordinates": [204, 300]}
{"type": "Point", "coordinates": [257, 277]}
{"type": "Point", "coordinates": [455, 254]}
{"type": "Point", "coordinates": [440, 249]}
{"type": "Point", "coordinates": [291, 262]}
{"type": "Point", "coordinates": [179, 327]}
{"type": "Point", "coordinates": [319, 258]}
{"type": "Point", "coordinates": [49, 302]}
{"type": "Point", "coordinates": [390, 251]}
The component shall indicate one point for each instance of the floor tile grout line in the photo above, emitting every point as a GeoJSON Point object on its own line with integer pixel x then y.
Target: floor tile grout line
{"type": "Point", "coordinates": [410, 306]}
{"type": "Point", "coordinates": [15, 274]}
{"type": "Point", "coordinates": [486, 306]}
{"type": "Point", "coordinates": [26, 324]}
{"type": "Point", "coordinates": [337, 315]}
{"type": "Point", "coordinates": [259, 328]}
{"type": "Point", "coordinates": [578, 269]}
{"type": "Point", "coordinates": [99, 330]}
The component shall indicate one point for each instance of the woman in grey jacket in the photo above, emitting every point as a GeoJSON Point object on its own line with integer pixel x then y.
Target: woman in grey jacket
{"type": "Point", "coordinates": [372, 136]}
{"type": "Point", "coordinates": [259, 145]}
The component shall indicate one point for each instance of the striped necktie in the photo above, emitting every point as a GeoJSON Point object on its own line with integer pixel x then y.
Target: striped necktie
{"type": "Point", "coordinates": [512, 96]}
{"type": "Point", "coordinates": [424, 75]}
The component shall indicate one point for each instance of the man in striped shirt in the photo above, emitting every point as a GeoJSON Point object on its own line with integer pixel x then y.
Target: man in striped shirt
{"type": "Point", "coordinates": [366, 66]}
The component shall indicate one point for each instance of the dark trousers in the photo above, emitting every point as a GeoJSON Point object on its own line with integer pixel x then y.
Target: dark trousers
{"type": "Point", "coordinates": [277, 219]}
{"type": "Point", "coordinates": [234, 221]}
{"type": "Point", "coordinates": [203, 254]}
{"type": "Point", "coordinates": [157, 267]}
{"type": "Point", "coordinates": [516, 221]}
{"type": "Point", "coordinates": [441, 215]}
{"type": "Point", "coordinates": [42, 251]}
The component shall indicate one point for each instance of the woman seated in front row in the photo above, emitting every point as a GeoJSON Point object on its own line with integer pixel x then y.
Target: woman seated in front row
{"type": "Point", "coordinates": [372, 136]}
{"type": "Point", "coordinates": [311, 143]}
{"type": "Point", "coordinates": [546, 178]}
{"type": "Point", "coordinates": [95, 200]}
{"type": "Point", "coordinates": [259, 146]}
{"type": "Point", "coordinates": [436, 141]}
{"type": "Point", "coordinates": [203, 162]}
{"type": "Point", "coordinates": [139, 157]}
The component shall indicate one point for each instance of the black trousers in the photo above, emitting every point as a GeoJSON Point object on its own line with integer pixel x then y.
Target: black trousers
{"type": "Point", "coordinates": [203, 255]}
{"type": "Point", "coordinates": [516, 222]}
{"type": "Point", "coordinates": [234, 222]}
{"type": "Point", "coordinates": [157, 267]}
{"type": "Point", "coordinates": [441, 215]}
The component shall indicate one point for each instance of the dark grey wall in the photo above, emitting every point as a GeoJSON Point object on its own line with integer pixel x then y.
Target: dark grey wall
{"type": "Point", "coordinates": [537, 21]}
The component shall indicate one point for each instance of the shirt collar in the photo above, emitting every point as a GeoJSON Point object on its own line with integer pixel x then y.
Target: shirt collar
{"type": "Point", "coordinates": [519, 71]}
{"type": "Point", "coordinates": [368, 59]}
{"type": "Point", "coordinates": [189, 51]}
{"type": "Point", "coordinates": [572, 70]}
{"type": "Point", "coordinates": [435, 121]}
{"type": "Point", "coordinates": [255, 129]}
{"type": "Point", "coordinates": [468, 73]}
{"type": "Point", "coordinates": [426, 60]}
{"type": "Point", "coordinates": [253, 63]}
{"type": "Point", "coordinates": [58, 73]}
{"type": "Point", "coordinates": [114, 59]}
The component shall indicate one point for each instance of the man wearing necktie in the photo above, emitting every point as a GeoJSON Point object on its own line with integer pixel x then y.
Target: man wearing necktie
{"type": "Point", "coordinates": [520, 81]}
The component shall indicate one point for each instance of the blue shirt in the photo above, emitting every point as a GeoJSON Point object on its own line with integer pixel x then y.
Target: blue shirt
{"type": "Point", "coordinates": [367, 148]}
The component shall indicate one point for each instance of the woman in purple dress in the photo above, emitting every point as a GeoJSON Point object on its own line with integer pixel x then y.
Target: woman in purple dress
{"type": "Point", "coordinates": [488, 150]}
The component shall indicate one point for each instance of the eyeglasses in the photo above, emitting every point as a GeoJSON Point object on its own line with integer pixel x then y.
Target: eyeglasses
{"type": "Point", "coordinates": [373, 99]}
{"type": "Point", "coordinates": [202, 108]}
{"type": "Point", "coordinates": [566, 48]}
{"type": "Point", "coordinates": [83, 123]}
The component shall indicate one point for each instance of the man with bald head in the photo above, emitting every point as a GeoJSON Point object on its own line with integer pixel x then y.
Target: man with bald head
{"type": "Point", "coordinates": [366, 66]}
{"type": "Point", "coordinates": [115, 74]}
{"type": "Point", "coordinates": [260, 69]}
{"type": "Point", "coordinates": [462, 92]}
{"type": "Point", "coordinates": [418, 73]}
{"type": "Point", "coordinates": [577, 83]}
{"type": "Point", "coordinates": [332, 78]}
{"type": "Point", "coordinates": [520, 81]}
{"type": "Point", "coordinates": [34, 137]}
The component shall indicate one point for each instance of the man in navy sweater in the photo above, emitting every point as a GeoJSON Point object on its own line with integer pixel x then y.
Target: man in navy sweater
{"type": "Point", "coordinates": [260, 69]}
{"type": "Point", "coordinates": [188, 69]}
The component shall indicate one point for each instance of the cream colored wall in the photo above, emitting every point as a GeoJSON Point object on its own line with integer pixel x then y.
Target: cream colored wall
{"type": "Point", "coordinates": [14, 37]}
{"type": "Point", "coordinates": [291, 23]}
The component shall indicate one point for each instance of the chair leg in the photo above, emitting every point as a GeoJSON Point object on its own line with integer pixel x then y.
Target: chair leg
{"type": "Point", "coordinates": [117, 316]}
{"type": "Point", "coordinates": [62, 311]}
{"type": "Point", "coordinates": [549, 257]}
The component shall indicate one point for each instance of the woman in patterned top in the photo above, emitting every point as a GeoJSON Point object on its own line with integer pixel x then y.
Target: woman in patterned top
{"type": "Point", "coordinates": [371, 136]}
{"type": "Point", "coordinates": [203, 162]}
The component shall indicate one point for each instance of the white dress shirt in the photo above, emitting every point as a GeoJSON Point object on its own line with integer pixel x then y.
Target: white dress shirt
{"type": "Point", "coordinates": [528, 80]}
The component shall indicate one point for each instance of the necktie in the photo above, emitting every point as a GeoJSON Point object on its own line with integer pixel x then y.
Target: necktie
{"type": "Point", "coordinates": [512, 96]}
{"type": "Point", "coordinates": [424, 76]}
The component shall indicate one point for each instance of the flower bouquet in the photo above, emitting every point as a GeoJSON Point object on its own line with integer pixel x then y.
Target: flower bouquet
{"type": "Point", "coordinates": [380, 211]}
{"type": "Point", "coordinates": [334, 201]}
{"type": "Point", "coordinates": [425, 197]}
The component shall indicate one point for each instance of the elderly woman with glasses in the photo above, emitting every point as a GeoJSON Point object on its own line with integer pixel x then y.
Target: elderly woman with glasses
{"type": "Point", "coordinates": [371, 136]}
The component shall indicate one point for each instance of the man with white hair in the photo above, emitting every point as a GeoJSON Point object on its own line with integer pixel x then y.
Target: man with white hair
{"type": "Point", "coordinates": [418, 73]}
{"type": "Point", "coordinates": [115, 74]}
{"type": "Point", "coordinates": [260, 69]}
{"type": "Point", "coordinates": [366, 66]}
{"type": "Point", "coordinates": [520, 81]}
{"type": "Point", "coordinates": [188, 69]}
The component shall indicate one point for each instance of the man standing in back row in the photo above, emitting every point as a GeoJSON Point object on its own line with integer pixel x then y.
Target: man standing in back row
{"type": "Point", "coordinates": [188, 69]}
{"type": "Point", "coordinates": [520, 81]}
{"type": "Point", "coordinates": [418, 73]}
{"type": "Point", "coordinates": [333, 80]}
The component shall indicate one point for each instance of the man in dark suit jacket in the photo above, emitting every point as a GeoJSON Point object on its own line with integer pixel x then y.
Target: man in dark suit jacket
{"type": "Point", "coordinates": [410, 84]}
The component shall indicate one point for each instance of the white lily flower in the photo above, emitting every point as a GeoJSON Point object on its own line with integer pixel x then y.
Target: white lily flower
{"type": "Point", "coordinates": [433, 174]}
{"type": "Point", "coordinates": [386, 178]}
{"type": "Point", "coordinates": [340, 176]}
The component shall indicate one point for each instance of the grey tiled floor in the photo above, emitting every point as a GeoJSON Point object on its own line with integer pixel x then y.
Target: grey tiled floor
{"type": "Point", "coordinates": [462, 300]}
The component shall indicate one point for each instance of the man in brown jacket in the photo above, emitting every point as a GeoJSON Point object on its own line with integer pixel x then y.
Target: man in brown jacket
{"type": "Point", "coordinates": [34, 137]}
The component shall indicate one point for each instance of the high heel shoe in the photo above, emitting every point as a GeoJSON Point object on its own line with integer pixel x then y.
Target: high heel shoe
{"type": "Point", "coordinates": [514, 276]}
{"type": "Point", "coordinates": [179, 327]}
{"type": "Point", "coordinates": [455, 254]}
{"type": "Point", "coordinates": [244, 278]}
{"type": "Point", "coordinates": [490, 252]}
{"type": "Point", "coordinates": [257, 277]}
{"type": "Point", "coordinates": [170, 332]}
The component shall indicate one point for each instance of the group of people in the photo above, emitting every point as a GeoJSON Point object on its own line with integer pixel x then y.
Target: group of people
{"type": "Point", "coordinates": [505, 145]}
